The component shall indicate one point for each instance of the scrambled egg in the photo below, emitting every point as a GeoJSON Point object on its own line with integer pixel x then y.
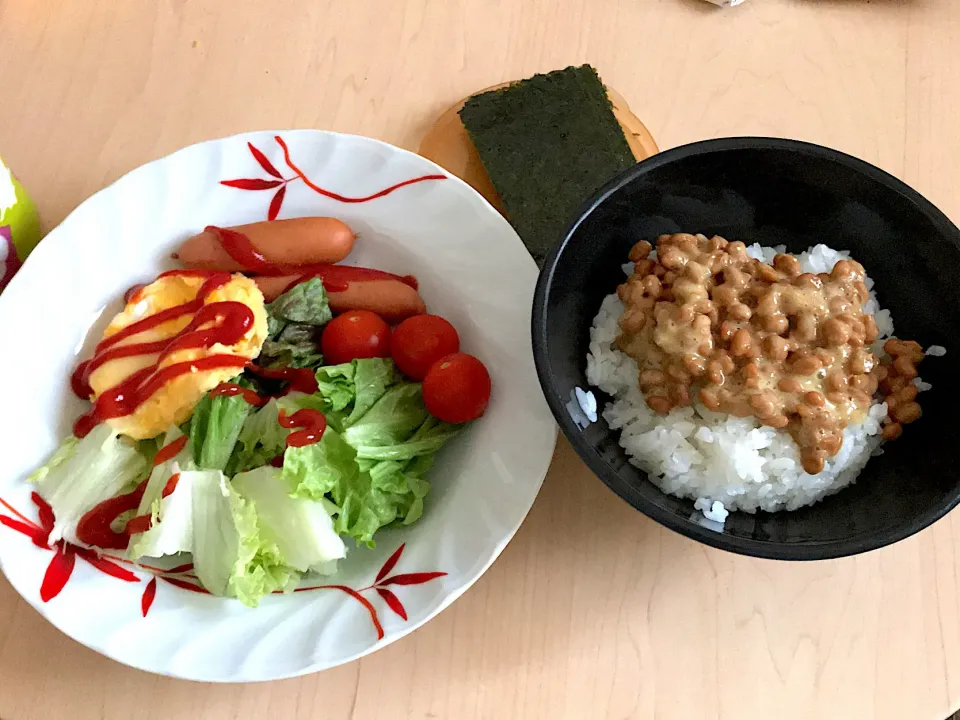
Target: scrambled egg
{"type": "Point", "coordinates": [175, 400]}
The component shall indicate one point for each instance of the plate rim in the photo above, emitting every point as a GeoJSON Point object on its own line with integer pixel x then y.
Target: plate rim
{"type": "Point", "coordinates": [444, 600]}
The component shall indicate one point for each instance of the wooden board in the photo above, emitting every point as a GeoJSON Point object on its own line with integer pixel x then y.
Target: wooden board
{"type": "Point", "coordinates": [449, 146]}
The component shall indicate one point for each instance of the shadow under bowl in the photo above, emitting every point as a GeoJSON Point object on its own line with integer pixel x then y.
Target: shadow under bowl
{"type": "Point", "coordinates": [772, 192]}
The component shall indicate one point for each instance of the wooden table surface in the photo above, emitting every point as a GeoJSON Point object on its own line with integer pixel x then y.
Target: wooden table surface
{"type": "Point", "coordinates": [593, 611]}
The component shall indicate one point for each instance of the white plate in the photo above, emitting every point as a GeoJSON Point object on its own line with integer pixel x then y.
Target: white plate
{"type": "Point", "coordinates": [473, 270]}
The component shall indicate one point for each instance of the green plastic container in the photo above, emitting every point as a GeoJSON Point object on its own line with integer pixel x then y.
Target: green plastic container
{"type": "Point", "coordinates": [19, 225]}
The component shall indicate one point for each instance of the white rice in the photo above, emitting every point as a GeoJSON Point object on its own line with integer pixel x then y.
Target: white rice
{"type": "Point", "coordinates": [722, 462]}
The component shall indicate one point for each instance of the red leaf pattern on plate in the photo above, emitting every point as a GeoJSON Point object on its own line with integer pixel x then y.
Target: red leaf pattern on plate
{"type": "Point", "coordinates": [184, 585]}
{"type": "Point", "coordinates": [44, 512]}
{"type": "Point", "coordinates": [252, 184]}
{"type": "Point", "coordinates": [16, 512]}
{"type": "Point", "coordinates": [412, 578]}
{"type": "Point", "coordinates": [36, 534]}
{"type": "Point", "coordinates": [390, 563]}
{"type": "Point", "coordinates": [61, 567]}
{"type": "Point", "coordinates": [149, 593]}
{"type": "Point", "coordinates": [105, 566]}
{"type": "Point", "coordinates": [264, 163]}
{"type": "Point", "coordinates": [276, 202]}
{"type": "Point", "coordinates": [355, 594]}
{"type": "Point", "coordinates": [58, 571]}
{"type": "Point", "coordinates": [370, 608]}
{"type": "Point", "coordinates": [393, 601]}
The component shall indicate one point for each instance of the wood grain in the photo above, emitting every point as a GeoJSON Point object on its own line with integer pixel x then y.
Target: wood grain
{"type": "Point", "coordinates": [593, 611]}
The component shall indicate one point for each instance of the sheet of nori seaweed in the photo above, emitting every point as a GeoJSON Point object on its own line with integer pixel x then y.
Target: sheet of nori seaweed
{"type": "Point", "coordinates": [547, 144]}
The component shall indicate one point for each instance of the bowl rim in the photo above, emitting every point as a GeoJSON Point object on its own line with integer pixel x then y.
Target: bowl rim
{"type": "Point", "coordinates": [773, 550]}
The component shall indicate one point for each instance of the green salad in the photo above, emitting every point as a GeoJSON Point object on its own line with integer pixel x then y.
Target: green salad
{"type": "Point", "coordinates": [238, 488]}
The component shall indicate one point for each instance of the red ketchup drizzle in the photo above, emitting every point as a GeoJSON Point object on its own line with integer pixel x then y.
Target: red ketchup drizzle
{"type": "Point", "coordinates": [94, 527]}
{"type": "Point", "coordinates": [312, 421]}
{"type": "Point", "coordinates": [188, 273]}
{"type": "Point", "coordinates": [170, 486]}
{"type": "Point", "coordinates": [142, 523]}
{"type": "Point", "coordinates": [239, 247]}
{"type": "Point", "coordinates": [139, 524]}
{"type": "Point", "coordinates": [132, 292]}
{"type": "Point", "coordinates": [170, 451]}
{"type": "Point", "coordinates": [84, 424]}
{"type": "Point", "coordinates": [231, 390]}
{"type": "Point", "coordinates": [336, 278]}
{"type": "Point", "coordinates": [79, 381]}
{"type": "Point", "coordinates": [331, 286]}
{"type": "Point", "coordinates": [300, 379]}
{"type": "Point", "coordinates": [230, 322]}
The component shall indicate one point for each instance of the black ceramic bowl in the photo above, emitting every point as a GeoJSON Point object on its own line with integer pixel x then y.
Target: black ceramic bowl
{"type": "Point", "coordinates": [772, 192]}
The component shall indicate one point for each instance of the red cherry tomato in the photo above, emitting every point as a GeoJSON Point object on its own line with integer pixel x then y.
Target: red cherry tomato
{"type": "Point", "coordinates": [457, 388]}
{"type": "Point", "coordinates": [418, 342]}
{"type": "Point", "coordinates": [355, 334]}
